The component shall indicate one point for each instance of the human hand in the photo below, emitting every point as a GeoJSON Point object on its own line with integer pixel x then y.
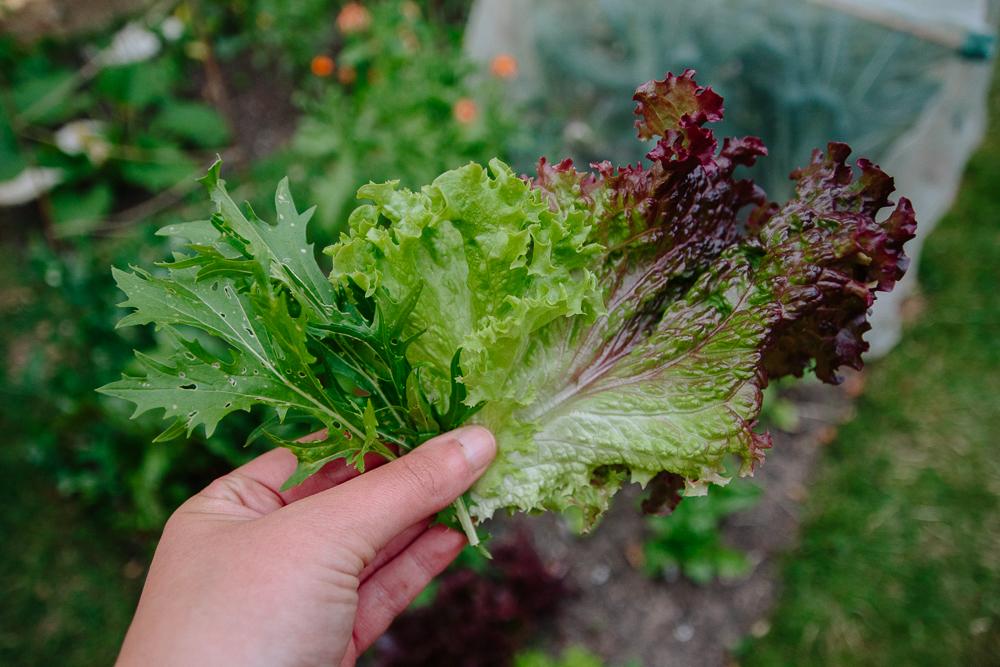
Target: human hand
{"type": "Point", "coordinates": [246, 575]}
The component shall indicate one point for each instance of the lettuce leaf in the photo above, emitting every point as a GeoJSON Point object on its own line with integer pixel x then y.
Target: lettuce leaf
{"type": "Point", "coordinates": [608, 325]}
{"type": "Point", "coordinates": [697, 309]}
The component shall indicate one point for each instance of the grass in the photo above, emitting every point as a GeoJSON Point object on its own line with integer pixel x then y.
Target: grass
{"type": "Point", "coordinates": [899, 561]}
{"type": "Point", "coordinates": [68, 590]}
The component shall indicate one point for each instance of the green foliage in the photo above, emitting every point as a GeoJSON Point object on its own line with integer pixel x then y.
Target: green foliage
{"type": "Point", "coordinates": [410, 109]}
{"type": "Point", "coordinates": [688, 541]}
{"type": "Point", "coordinates": [256, 287]}
{"type": "Point", "coordinates": [114, 131]}
{"type": "Point", "coordinates": [574, 656]}
{"type": "Point", "coordinates": [69, 591]}
{"type": "Point", "coordinates": [291, 34]}
{"type": "Point", "coordinates": [585, 320]}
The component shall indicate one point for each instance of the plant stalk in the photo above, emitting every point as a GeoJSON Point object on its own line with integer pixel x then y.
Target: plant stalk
{"type": "Point", "coordinates": [466, 520]}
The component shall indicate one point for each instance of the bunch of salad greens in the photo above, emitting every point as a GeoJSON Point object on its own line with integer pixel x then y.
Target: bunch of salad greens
{"type": "Point", "coordinates": [603, 325]}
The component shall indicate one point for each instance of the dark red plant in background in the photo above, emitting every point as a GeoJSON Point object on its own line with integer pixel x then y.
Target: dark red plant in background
{"type": "Point", "coordinates": [477, 619]}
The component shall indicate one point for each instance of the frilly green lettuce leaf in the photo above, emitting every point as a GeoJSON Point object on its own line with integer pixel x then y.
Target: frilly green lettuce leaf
{"type": "Point", "coordinates": [493, 263]}
{"type": "Point", "coordinates": [678, 387]}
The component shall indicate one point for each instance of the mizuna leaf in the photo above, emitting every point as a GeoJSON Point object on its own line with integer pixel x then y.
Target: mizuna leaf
{"type": "Point", "coordinates": [315, 454]}
{"type": "Point", "coordinates": [280, 249]}
{"type": "Point", "coordinates": [198, 388]}
{"type": "Point", "coordinates": [242, 287]}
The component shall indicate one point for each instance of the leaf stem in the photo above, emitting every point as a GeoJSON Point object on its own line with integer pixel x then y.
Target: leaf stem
{"type": "Point", "coordinates": [466, 520]}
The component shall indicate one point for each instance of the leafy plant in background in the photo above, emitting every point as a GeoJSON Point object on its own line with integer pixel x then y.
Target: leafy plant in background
{"type": "Point", "coordinates": [57, 309]}
{"type": "Point", "coordinates": [688, 541]}
{"type": "Point", "coordinates": [291, 34]}
{"type": "Point", "coordinates": [574, 656]}
{"type": "Point", "coordinates": [398, 101]}
{"type": "Point", "coordinates": [94, 133]}
{"type": "Point", "coordinates": [601, 326]}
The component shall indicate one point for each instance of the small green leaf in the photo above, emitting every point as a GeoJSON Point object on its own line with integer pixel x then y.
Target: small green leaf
{"type": "Point", "coordinates": [371, 437]}
{"type": "Point", "coordinates": [418, 407]}
{"type": "Point", "coordinates": [77, 213]}
{"type": "Point", "coordinates": [314, 455]}
{"type": "Point", "coordinates": [198, 123]}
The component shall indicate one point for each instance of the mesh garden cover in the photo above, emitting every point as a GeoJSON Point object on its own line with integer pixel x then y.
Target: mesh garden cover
{"type": "Point", "coordinates": [903, 82]}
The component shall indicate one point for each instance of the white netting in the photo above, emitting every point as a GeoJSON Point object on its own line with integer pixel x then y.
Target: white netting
{"type": "Point", "coordinates": [904, 82]}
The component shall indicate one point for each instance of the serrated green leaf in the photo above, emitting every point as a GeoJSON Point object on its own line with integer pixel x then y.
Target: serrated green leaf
{"type": "Point", "coordinates": [418, 407]}
{"type": "Point", "coordinates": [257, 288]}
{"type": "Point", "coordinates": [314, 455]}
{"type": "Point", "coordinates": [198, 388]}
{"type": "Point", "coordinates": [371, 437]}
{"type": "Point", "coordinates": [281, 249]}
{"type": "Point", "coordinates": [200, 232]}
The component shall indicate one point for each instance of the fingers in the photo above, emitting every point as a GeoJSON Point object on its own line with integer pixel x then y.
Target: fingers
{"type": "Point", "coordinates": [393, 549]}
{"type": "Point", "coordinates": [390, 590]}
{"type": "Point", "coordinates": [383, 503]}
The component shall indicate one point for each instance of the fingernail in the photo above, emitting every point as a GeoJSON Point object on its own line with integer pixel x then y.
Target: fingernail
{"type": "Point", "coordinates": [478, 445]}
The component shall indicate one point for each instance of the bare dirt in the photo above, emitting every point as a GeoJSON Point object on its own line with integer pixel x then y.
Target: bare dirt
{"type": "Point", "coordinates": [623, 616]}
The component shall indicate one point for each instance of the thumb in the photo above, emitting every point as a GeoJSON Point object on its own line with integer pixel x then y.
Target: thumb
{"type": "Point", "coordinates": [373, 508]}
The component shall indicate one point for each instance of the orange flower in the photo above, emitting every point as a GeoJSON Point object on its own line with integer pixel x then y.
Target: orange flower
{"type": "Point", "coordinates": [322, 66]}
{"type": "Point", "coordinates": [504, 66]}
{"type": "Point", "coordinates": [465, 111]}
{"type": "Point", "coordinates": [353, 18]}
{"type": "Point", "coordinates": [347, 75]}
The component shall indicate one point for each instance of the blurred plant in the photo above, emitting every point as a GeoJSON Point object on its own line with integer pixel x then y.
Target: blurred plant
{"type": "Point", "coordinates": [476, 617]}
{"type": "Point", "coordinates": [779, 412]}
{"type": "Point", "coordinates": [574, 656]}
{"type": "Point", "coordinates": [106, 129]}
{"type": "Point", "coordinates": [403, 105]}
{"type": "Point", "coordinates": [290, 34]}
{"type": "Point", "coordinates": [59, 341]}
{"type": "Point", "coordinates": [91, 127]}
{"type": "Point", "coordinates": [688, 540]}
